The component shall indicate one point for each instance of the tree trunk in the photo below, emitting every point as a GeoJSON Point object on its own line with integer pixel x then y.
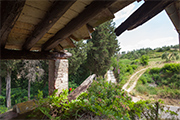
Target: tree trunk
{"type": "Point", "coordinates": [29, 89]}
{"type": "Point", "coordinates": [0, 85]}
{"type": "Point", "coordinates": [8, 89]}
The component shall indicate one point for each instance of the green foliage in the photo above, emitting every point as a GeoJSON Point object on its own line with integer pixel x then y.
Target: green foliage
{"type": "Point", "coordinates": [3, 109]}
{"type": "Point", "coordinates": [105, 45]}
{"type": "Point", "coordinates": [171, 68]}
{"type": "Point", "coordinates": [170, 56]}
{"type": "Point", "coordinates": [155, 70]}
{"type": "Point", "coordinates": [2, 100]}
{"type": "Point", "coordinates": [165, 56]}
{"type": "Point", "coordinates": [80, 75]}
{"type": "Point", "coordinates": [156, 53]}
{"type": "Point", "coordinates": [18, 95]}
{"type": "Point", "coordinates": [53, 105]}
{"type": "Point", "coordinates": [144, 60]}
{"type": "Point", "coordinates": [122, 68]}
{"type": "Point", "coordinates": [135, 62]}
{"type": "Point", "coordinates": [101, 99]}
{"type": "Point", "coordinates": [135, 54]}
{"type": "Point", "coordinates": [167, 92]}
{"type": "Point", "coordinates": [166, 78]}
{"type": "Point", "coordinates": [79, 55]}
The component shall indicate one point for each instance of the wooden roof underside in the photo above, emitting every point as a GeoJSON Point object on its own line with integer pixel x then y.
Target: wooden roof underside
{"type": "Point", "coordinates": [148, 10]}
{"type": "Point", "coordinates": [48, 25]}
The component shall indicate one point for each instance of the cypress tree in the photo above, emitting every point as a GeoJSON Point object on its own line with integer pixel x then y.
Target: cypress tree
{"type": "Point", "coordinates": [105, 45]}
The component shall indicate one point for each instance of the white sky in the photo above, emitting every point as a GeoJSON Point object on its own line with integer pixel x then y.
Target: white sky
{"type": "Point", "coordinates": [157, 32]}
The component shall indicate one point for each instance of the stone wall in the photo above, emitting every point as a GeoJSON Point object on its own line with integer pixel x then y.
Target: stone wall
{"type": "Point", "coordinates": [58, 75]}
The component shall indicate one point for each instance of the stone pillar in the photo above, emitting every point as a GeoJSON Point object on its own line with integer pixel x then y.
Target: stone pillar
{"type": "Point", "coordinates": [58, 75]}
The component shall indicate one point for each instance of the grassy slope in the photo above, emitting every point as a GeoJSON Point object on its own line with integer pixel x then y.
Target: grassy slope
{"type": "Point", "coordinates": [160, 92]}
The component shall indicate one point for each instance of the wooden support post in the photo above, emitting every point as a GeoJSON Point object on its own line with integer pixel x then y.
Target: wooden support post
{"type": "Point", "coordinates": [58, 75]}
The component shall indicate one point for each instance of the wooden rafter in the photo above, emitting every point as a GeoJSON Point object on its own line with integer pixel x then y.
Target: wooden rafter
{"type": "Point", "coordinates": [14, 54]}
{"type": "Point", "coordinates": [90, 28]}
{"type": "Point", "coordinates": [83, 18]}
{"type": "Point", "coordinates": [147, 11]}
{"type": "Point", "coordinates": [56, 11]}
{"type": "Point", "coordinates": [10, 12]}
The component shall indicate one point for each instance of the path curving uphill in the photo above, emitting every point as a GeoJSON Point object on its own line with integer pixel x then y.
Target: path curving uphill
{"type": "Point", "coordinates": [134, 79]}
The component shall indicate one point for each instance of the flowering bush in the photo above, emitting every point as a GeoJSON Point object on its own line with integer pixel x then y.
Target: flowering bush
{"type": "Point", "coordinates": [101, 99]}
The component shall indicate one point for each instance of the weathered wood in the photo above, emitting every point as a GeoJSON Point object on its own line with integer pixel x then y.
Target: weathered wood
{"type": "Point", "coordinates": [58, 48]}
{"type": "Point", "coordinates": [90, 28]}
{"type": "Point", "coordinates": [10, 11]}
{"type": "Point", "coordinates": [68, 43]}
{"type": "Point", "coordinates": [8, 115]}
{"type": "Point", "coordinates": [174, 15]}
{"type": "Point", "coordinates": [83, 18]}
{"type": "Point", "coordinates": [57, 10]}
{"type": "Point", "coordinates": [82, 33]}
{"type": "Point", "coordinates": [82, 88]}
{"type": "Point", "coordinates": [14, 54]}
{"type": "Point", "coordinates": [147, 11]}
{"type": "Point", "coordinates": [102, 17]}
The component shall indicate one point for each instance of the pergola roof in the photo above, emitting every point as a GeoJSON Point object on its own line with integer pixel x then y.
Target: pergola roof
{"type": "Point", "coordinates": [47, 27]}
{"type": "Point", "coordinates": [50, 25]}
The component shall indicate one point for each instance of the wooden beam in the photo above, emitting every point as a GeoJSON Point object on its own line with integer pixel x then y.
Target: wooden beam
{"type": "Point", "coordinates": [10, 11]}
{"type": "Point", "coordinates": [83, 18]}
{"type": "Point", "coordinates": [56, 12]}
{"type": "Point", "coordinates": [147, 11]}
{"type": "Point", "coordinates": [90, 28]}
{"type": "Point", "coordinates": [8, 115]}
{"type": "Point", "coordinates": [82, 88]}
{"type": "Point", "coordinates": [58, 48]}
{"type": "Point", "coordinates": [174, 15]}
{"type": "Point", "coordinates": [14, 54]}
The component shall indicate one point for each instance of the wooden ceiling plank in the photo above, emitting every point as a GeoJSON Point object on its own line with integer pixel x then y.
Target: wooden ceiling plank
{"type": "Point", "coordinates": [56, 11]}
{"type": "Point", "coordinates": [83, 18]}
{"type": "Point", "coordinates": [40, 4]}
{"type": "Point", "coordinates": [10, 12]}
{"type": "Point", "coordinates": [24, 25]}
{"type": "Point", "coordinates": [15, 54]}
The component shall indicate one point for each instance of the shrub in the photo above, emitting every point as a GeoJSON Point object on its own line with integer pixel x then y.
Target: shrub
{"type": "Point", "coordinates": [135, 62]}
{"type": "Point", "coordinates": [3, 109]}
{"type": "Point", "coordinates": [171, 68]}
{"type": "Point", "coordinates": [143, 79]}
{"type": "Point", "coordinates": [101, 99]}
{"type": "Point", "coordinates": [134, 66]}
{"type": "Point", "coordinates": [155, 70]}
{"type": "Point", "coordinates": [142, 89]}
{"type": "Point", "coordinates": [144, 60]}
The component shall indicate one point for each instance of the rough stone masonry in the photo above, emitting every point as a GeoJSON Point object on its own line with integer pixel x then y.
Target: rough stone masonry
{"type": "Point", "coordinates": [58, 75]}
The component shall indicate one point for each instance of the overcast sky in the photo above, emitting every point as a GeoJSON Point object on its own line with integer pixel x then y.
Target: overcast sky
{"type": "Point", "coordinates": [157, 32]}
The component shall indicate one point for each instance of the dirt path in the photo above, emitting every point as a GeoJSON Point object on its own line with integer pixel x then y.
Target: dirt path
{"type": "Point", "coordinates": [134, 79]}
